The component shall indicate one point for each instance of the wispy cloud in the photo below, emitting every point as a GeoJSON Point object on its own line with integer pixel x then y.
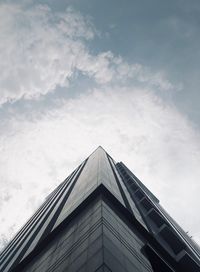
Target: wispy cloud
{"type": "Point", "coordinates": [41, 49]}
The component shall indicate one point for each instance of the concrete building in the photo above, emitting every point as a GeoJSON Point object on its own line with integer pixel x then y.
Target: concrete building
{"type": "Point", "coordinates": [101, 218]}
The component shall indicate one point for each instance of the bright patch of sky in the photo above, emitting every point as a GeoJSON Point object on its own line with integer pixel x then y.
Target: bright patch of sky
{"type": "Point", "coordinates": [78, 74]}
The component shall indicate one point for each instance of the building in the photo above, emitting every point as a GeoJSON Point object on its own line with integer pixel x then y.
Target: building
{"type": "Point", "coordinates": [101, 218]}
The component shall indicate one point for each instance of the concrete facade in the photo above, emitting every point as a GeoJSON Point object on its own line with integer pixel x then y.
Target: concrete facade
{"type": "Point", "coordinates": [101, 218]}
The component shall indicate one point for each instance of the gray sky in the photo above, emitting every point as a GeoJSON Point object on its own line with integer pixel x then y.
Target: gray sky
{"type": "Point", "coordinates": [78, 74]}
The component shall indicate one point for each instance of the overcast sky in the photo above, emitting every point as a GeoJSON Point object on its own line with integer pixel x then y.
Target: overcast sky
{"type": "Point", "coordinates": [77, 74]}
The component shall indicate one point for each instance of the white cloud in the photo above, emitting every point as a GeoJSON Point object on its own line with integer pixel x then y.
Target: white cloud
{"type": "Point", "coordinates": [41, 49]}
{"type": "Point", "coordinates": [133, 125]}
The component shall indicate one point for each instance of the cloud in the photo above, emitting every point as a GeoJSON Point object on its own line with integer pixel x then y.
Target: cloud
{"type": "Point", "coordinates": [41, 49]}
{"type": "Point", "coordinates": [134, 125]}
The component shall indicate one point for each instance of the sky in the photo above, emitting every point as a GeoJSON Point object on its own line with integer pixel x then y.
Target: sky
{"type": "Point", "coordinates": [76, 74]}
